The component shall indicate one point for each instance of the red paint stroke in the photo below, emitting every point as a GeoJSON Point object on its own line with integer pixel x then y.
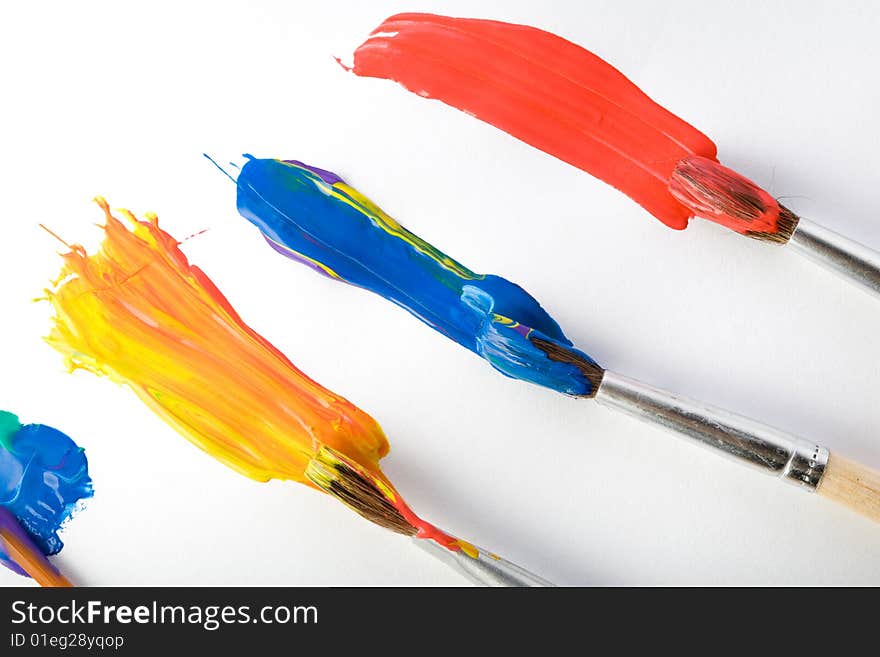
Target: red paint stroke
{"type": "Point", "coordinates": [546, 91]}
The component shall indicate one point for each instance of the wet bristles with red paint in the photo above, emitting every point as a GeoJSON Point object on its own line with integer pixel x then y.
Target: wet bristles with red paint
{"type": "Point", "coordinates": [712, 191]}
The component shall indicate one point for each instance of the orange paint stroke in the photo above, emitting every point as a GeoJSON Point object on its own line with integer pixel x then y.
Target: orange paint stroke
{"type": "Point", "coordinates": [138, 312]}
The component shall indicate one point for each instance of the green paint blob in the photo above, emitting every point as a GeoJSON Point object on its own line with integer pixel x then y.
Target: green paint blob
{"type": "Point", "coordinates": [9, 426]}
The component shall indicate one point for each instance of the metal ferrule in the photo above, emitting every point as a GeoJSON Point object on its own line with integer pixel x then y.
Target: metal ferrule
{"type": "Point", "coordinates": [486, 569]}
{"type": "Point", "coordinates": [843, 256]}
{"type": "Point", "coordinates": [788, 457]}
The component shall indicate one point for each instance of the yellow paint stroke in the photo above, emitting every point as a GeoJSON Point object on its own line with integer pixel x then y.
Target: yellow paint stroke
{"type": "Point", "coordinates": [139, 313]}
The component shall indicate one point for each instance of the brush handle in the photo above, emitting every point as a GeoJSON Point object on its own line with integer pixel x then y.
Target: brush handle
{"type": "Point", "coordinates": [843, 256]}
{"type": "Point", "coordinates": [792, 459]}
{"type": "Point", "coordinates": [484, 568]}
{"type": "Point", "coordinates": [786, 456]}
{"type": "Point", "coordinates": [853, 485]}
{"type": "Point", "coordinates": [24, 553]}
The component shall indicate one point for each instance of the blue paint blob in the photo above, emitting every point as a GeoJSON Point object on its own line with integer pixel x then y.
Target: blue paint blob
{"type": "Point", "coordinates": [43, 477]}
{"type": "Point", "coordinates": [311, 215]}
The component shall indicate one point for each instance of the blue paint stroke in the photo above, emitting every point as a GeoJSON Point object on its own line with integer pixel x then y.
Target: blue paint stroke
{"type": "Point", "coordinates": [43, 477]}
{"type": "Point", "coordinates": [313, 216]}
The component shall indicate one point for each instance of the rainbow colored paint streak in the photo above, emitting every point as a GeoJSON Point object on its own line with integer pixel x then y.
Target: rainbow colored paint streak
{"type": "Point", "coordinates": [44, 476]}
{"type": "Point", "coordinates": [313, 216]}
{"type": "Point", "coordinates": [138, 312]}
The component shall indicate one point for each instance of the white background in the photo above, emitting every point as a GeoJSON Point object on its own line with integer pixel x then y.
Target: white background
{"type": "Point", "coordinates": [121, 99]}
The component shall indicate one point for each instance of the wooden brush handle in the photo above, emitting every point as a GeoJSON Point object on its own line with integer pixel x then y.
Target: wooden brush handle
{"type": "Point", "coordinates": [32, 561]}
{"type": "Point", "coordinates": [853, 485]}
{"type": "Point", "coordinates": [16, 543]}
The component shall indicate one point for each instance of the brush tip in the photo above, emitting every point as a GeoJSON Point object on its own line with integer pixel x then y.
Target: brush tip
{"type": "Point", "coordinates": [590, 370]}
{"type": "Point", "coordinates": [714, 192]}
{"type": "Point", "coordinates": [358, 489]}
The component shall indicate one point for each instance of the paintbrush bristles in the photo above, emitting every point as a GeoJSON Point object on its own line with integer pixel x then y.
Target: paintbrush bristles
{"type": "Point", "coordinates": [714, 192]}
{"type": "Point", "coordinates": [350, 484]}
{"type": "Point", "coordinates": [559, 354]}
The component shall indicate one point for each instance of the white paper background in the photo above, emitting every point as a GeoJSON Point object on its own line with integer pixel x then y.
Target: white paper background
{"type": "Point", "coordinates": [121, 99]}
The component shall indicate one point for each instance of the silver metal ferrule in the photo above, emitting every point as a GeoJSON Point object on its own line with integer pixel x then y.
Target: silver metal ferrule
{"type": "Point", "coordinates": [775, 452]}
{"type": "Point", "coordinates": [485, 569]}
{"type": "Point", "coordinates": [845, 257]}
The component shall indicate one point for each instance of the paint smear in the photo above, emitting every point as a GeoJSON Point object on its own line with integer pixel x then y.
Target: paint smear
{"type": "Point", "coordinates": [568, 102]}
{"type": "Point", "coordinates": [44, 478]}
{"type": "Point", "coordinates": [313, 216]}
{"type": "Point", "coordinates": [544, 90]}
{"type": "Point", "coordinates": [139, 313]}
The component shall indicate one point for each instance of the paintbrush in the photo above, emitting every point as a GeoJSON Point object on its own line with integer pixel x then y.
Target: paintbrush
{"type": "Point", "coordinates": [714, 192]}
{"type": "Point", "coordinates": [313, 216]}
{"type": "Point", "coordinates": [567, 101]}
{"type": "Point", "coordinates": [16, 543]}
{"type": "Point", "coordinates": [139, 312]}
{"type": "Point", "coordinates": [358, 489]}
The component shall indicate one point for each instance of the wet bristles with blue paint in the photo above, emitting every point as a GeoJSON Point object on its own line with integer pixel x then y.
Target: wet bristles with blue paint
{"type": "Point", "coordinates": [44, 476]}
{"type": "Point", "coordinates": [313, 216]}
